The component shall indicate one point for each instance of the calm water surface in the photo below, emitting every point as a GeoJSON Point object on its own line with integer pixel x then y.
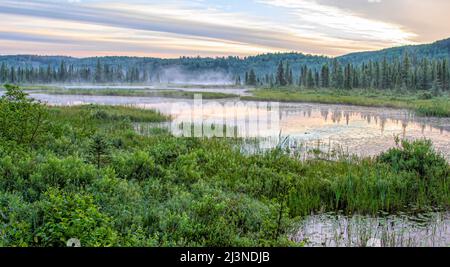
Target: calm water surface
{"type": "Point", "coordinates": [356, 130]}
{"type": "Point", "coordinates": [401, 230]}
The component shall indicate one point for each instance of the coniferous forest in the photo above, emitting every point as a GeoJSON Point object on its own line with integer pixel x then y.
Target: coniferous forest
{"type": "Point", "coordinates": [422, 67]}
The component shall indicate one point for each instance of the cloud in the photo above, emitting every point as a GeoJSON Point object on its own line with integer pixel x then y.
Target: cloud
{"type": "Point", "coordinates": [339, 23]}
{"type": "Point", "coordinates": [173, 28]}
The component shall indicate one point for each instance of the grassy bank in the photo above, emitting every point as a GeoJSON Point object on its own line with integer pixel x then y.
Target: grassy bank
{"type": "Point", "coordinates": [139, 93]}
{"type": "Point", "coordinates": [87, 174]}
{"type": "Point", "coordinates": [423, 103]}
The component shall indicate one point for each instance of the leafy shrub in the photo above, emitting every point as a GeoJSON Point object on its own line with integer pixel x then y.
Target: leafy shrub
{"type": "Point", "coordinates": [22, 119]}
{"type": "Point", "coordinates": [134, 166]}
{"type": "Point", "coordinates": [16, 217]}
{"type": "Point", "coordinates": [168, 149]}
{"type": "Point", "coordinates": [69, 173]}
{"type": "Point", "coordinates": [206, 216]}
{"type": "Point", "coordinates": [426, 96]}
{"type": "Point", "coordinates": [120, 199]}
{"type": "Point", "coordinates": [72, 215]}
{"type": "Point", "coordinates": [15, 172]}
{"type": "Point", "coordinates": [418, 156]}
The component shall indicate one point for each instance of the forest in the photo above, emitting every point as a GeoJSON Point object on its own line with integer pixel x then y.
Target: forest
{"type": "Point", "coordinates": [423, 67]}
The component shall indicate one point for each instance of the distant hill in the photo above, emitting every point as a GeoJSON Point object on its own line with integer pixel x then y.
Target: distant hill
{"type": "Point", "coordinates": [231, 66]}
{"type": "Point", "coordinates": [436, 50]}
{"type": "Point", "coordinates": [263, 64]}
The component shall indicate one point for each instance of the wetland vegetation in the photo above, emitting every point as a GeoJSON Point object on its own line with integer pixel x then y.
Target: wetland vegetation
{"type": "Point", "coordinates": [422, 102]}
{"type": "Point", "coordinates": [84, 171]}
{"type": "Point", "coordinates": [169, 93]}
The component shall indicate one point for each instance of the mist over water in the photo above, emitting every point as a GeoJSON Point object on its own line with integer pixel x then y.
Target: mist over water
{"type": "Point", "coordinates": [177, 75]}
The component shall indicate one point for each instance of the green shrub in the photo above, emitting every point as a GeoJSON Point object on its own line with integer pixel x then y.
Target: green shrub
{"type": "Point", "coordinates": [120, 199]}
{"type": "Point", "coordinates": [69, 173]}
{"type": "Point", "coordinates": [418, 156]}
{"type": "Point", "coordinates": [425, 96]}
{"type": "Point", "coordinates": [16, 221]}
{"type": "Point", "coordinates": [134, 166]}
{"type": "Point", "coordinates": [72, 215]}
{"type": "Point", "coordinates": [210, 217]}
{"type": "Point", "coordinates": [22, 119]}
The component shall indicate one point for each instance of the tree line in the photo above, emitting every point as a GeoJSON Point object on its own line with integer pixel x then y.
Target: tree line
{"type": "Point", "coordinates": [65, 73]}
{"type": "Point", "coordinates": [400, 73]}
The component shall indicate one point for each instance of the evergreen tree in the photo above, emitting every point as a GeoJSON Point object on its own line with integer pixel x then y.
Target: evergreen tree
{"type": "Point", "coordinates": [3, 73]}
{"type": "Point", "coordinates": [348, 77]}
{"type": "Point", "coordinates": [252, 78]}
{"type": "Point", "coordinates": [98, 72]}
{"type": "Point", "coordinates": [62, 72]}
{"type": "Point", "coordinates": [12, 75]}
{"type": "Point", "coordinates": [238, 80]}
{"type": "Point", "coordinates": [280, 75]}
{"type": "Point", "coordinates": [405, 70]}
{"type": "Point", "coordinates": [445, 75]}
{"type": "Point", "coordinates": [325, 76]}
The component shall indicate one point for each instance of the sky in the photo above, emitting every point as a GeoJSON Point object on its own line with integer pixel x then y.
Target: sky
{"type": "Point", "coordinates": [174, 28]}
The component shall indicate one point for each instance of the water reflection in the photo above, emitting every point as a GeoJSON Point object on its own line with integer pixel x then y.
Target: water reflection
{"type": "Point", "coordinates": [401, 230]}
{"type": "Point", "coordinates": [359, 130]}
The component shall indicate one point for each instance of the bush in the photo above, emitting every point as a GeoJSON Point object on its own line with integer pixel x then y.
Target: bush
{"type": "Point", "coordinates": [418, 156]}
{"type": "Point", "coordinates": [22, 119]}
{"type": "Point", "coordinates": [69, 173]}
{"type": "Point", "coordinates": [121, 199]}
{"type": "Point", "coordinates": [16, 217]}
{"type": "Point", "coordinates": [134, 166]}
{"type": "Point", "coordinates": [206, 216]}
{"type": "Point", "coordinates": [72, 215]}
{"type": "Point", "coordinates": [426, 96]}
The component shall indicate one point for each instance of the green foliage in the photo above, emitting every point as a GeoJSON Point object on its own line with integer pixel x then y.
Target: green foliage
{"type": "Point", "coordinates": [418, 156]}
{"type": "Point", "coordinates": [69, 173]}
{"type": "Point", "coordinates": [72, 215]}
{"type": "Point", "coordinates": [99, 149]}
{"type": "Point", "coordinates": [22, 119]}
{"type": "Point", "coordinates": [139, 166]}
{"type": "Point", "coordinates": [16, 217]}
{"type": "Point", "coordinates": [169, 93]}
{"type": "Point", "coordinates": [422, 102]}
{"type": "Point", "coordinates": [160, 190]}
{"type": "Point", "coordinates": [377, 69]}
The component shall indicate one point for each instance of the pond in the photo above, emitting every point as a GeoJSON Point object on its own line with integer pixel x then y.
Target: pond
{"type": "Point", "coordinates": [363, 131]}
{"type": "Point", "coordinates": [430, 229]}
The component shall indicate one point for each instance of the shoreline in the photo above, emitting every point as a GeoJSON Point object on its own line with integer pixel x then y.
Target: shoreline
{"type": "Point", "coordinates": [439, 107]}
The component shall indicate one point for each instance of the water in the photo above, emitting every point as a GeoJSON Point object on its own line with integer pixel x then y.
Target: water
{"type": "Point", "coordinates": [401, 230]}
{"type": "Point", "coordinates": [364, 131]}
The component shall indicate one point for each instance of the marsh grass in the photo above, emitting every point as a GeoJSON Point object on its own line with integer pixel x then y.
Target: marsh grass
{"type": "Point", "coordinates": [429, 106]}
{"type": "Point", "coordinates": [169, 93]}
{"type": "Point", "coordinates": [104, 114]}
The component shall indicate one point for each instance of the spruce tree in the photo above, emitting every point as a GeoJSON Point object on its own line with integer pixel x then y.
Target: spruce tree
{"type": "Point", "coordinates": [280, 78]}
{"type": "Point", "coordinates": [252, 78]}
{"type": "Point", "coordinates": [98, 72]}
